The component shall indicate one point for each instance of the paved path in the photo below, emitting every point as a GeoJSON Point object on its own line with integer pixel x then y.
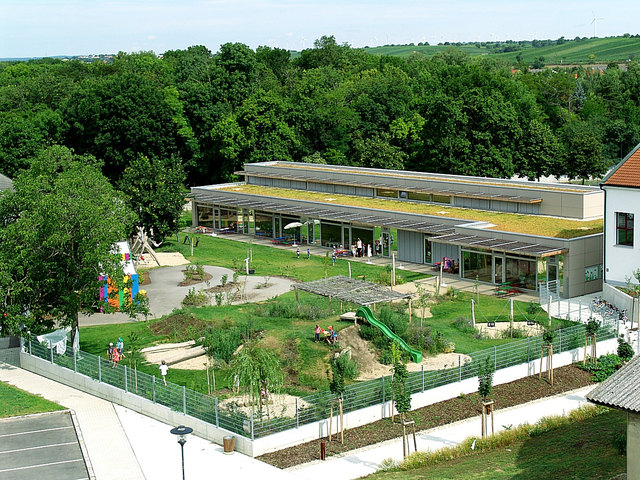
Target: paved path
{"type": "Point", "coordinates": [102, 433]}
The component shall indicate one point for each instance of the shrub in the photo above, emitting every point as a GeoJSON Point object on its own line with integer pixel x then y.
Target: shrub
{"type": "Point", "coordinates": [465, 325]}
{"type": "Point", "coordinates": [607, 365]}
{"type": "Point", "coordinates": [533, 308]}
{"type": "Point", "coordinates": [620, 443]}
{"type": "Point", "coordinates": [547, 337]}
{"type": "Point", "coordinates": [625, 351]}
{"type": "Point", "coordinates": [224, 279]}
{"type": "Point", "coordinates": [514, 332]}
{"type": "Point", "coordinates": [386, 357]}
{"type": "Point", "coordinates": [421, 338]}
{"type": "Point", "coordinates": [221, 343]}
{"type": "Point", "coordinates": [348, 366]}
{"type": "Point", "coordinates": [195, 299]}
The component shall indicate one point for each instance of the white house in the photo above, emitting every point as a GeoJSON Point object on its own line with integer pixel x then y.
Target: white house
{"type": "Point", "coordinates": [622, 206]}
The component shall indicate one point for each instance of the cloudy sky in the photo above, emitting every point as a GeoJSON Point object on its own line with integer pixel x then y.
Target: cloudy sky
{"type": "Point", "coordinates": [34, 28]}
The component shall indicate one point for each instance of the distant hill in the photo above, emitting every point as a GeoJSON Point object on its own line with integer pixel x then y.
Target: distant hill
{"type": "Point", "coordinates": [579, 50]}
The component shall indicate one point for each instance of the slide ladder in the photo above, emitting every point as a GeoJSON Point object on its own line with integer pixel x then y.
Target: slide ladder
{"type": "Point", "coordinates": [365, 312]}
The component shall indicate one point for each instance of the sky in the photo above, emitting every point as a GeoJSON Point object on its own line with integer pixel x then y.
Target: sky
{"type": "Point", "coordinates": [41, 28]}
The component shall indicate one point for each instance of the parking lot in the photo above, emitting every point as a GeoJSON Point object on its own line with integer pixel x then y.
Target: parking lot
{"type": "Point", "coordinates": [40, 446]}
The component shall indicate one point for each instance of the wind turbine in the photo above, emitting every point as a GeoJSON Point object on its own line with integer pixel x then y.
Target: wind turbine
{"type": "Point", "coordinates": [595, 22]}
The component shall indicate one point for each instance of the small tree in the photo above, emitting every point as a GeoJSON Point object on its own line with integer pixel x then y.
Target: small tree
{"type": "Point", "coordinates": [485, 385]}
{"type": "Point", "coordinates": [336, 376]}
{"type": "Point", "coordinates": [134, 354]}
{"type": "Point", "coordinates": [547, 344]}
{"type": "Point", "coordinates": [259, 370]}
{"type": "Point", "coordinates": [401, 397]}
{"type": "Point", "coordinates": [423, 301]}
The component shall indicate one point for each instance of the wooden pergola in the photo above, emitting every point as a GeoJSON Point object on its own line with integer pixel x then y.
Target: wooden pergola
{"type": "Point", "coordinates": [352, 290]}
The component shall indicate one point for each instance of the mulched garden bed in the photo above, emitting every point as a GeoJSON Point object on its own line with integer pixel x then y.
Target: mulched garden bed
{"type": "Point", "coordinates": [195, 280]}
{"type": "Point", "coordinates": [442, 413]}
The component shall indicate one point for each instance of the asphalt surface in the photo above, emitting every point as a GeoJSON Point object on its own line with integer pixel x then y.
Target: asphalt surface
{"type": "Point", "coordinates": [44, 446]}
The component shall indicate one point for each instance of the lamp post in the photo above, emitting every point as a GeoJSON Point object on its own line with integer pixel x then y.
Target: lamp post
{"type": "Point", "coordinates": [181, 431]}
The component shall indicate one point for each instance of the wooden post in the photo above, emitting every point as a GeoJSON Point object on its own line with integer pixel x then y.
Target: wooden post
{"type": "Point", "coordinates": [296, 290]}
{"type": "Point", "coordinates": [349, 264]}
{"type": "Point", "coordinates": [340, 307]}
{"type": "Point", "coordinates": [549, 349]}
{"type": "Point", "coordinates": [331, 421]}
{"type": "Point", "coordinates": [409, 309]}
{"type": "Point", "coordinates": [473, 314]}
{"type": "Point", "coordinates": [374, 307]}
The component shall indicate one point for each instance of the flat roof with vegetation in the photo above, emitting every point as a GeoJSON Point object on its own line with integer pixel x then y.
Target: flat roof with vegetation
{"type": "Point", "coordinates": [508, 222]}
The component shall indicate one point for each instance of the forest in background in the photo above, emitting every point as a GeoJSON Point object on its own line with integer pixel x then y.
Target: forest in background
{"type": "Point", "coordinates": [201, 115]}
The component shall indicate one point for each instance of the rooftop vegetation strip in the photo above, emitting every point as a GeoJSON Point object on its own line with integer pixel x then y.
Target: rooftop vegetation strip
{"type": "Point", "coordinates": [508, 222]}
{"type": "Point", "coordinates": [351, 290]}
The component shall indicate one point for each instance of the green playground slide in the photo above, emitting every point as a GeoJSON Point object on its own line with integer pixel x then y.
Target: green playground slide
{"type": "Point", "coordinates": [365, 312]}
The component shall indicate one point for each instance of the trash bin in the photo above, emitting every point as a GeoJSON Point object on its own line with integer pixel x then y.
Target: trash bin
{"type": "Point", "coordinates": [228, 443]}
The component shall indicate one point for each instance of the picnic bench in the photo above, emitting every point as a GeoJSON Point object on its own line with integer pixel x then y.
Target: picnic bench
{"type": "Point", "coordinates": [506, 289]}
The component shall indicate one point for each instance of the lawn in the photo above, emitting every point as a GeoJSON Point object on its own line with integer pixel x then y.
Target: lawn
{"type": "Point", "coordinates": [509, 222]}
{"type": "Point", "coordinates": [286, 330]}
{"type": "Point", "coordinates": [267, 260]}
{"type": "Point", "coordinates": [18, 402]}
{"type": "Point", "coordinates": [583, 450]}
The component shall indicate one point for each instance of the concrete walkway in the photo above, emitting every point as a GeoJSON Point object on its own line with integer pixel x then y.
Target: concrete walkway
{"type": "Point", "coordinates": [126, 445]}
{"type": "Point", "coordinates": [367, 460]}
{"type": "Point", "coordinates": [105, 440]}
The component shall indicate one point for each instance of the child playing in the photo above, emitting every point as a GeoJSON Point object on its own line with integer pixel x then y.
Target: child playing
{"type": "Point", "coordinates": [164, 368]}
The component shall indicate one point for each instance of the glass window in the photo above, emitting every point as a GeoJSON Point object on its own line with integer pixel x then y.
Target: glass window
{"type": "Point", "coordinates": [521, 272]}
{"type": "Point", "coordinates": [421, 197]}
{"type": "Point", "coordinates": [624, 229]}
{"type": "Point", "coordinates": [205, 216]}
{"type": "Point", "coordinates": [264, 224]}
{"type": "Point", "coordinates": [331, 234]}
{"type": "Point", "coordinates": [383, 192]}
{"type": "Point", "coordinates": [441, 198]}
{"type": "Point", "coordinates": [476, 265]}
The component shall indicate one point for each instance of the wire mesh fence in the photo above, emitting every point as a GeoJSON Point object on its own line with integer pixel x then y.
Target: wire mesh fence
{"type": "Point", "coordinates": [310, 408]}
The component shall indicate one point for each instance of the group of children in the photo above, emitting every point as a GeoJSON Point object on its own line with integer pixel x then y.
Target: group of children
{"type": "Point", "coordinates": [329, 335]}
{"type": "Point", "coordinates": [115, 353]}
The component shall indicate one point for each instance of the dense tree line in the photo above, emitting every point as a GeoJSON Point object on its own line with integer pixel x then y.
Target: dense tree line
{"type": "Point", "coordinates": [200, 115]}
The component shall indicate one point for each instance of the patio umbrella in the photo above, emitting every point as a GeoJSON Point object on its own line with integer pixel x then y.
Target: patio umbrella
{"type": "Point", "coordinates": [292, 225]}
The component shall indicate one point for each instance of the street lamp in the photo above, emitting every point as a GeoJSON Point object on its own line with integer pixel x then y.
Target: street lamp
{"type": "Point", "coordinates": [181, 431]}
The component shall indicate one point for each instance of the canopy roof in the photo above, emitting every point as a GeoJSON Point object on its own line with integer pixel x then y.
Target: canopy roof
{"type": "Point", "coordinates": [351, 290]}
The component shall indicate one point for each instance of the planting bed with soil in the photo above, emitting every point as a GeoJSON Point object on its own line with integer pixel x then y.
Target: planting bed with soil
{"type": "Point", "coordinates": [442, 413]}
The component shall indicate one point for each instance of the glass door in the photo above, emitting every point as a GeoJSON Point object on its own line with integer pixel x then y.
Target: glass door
{"type": "Point", "coordinates": [498, 269]}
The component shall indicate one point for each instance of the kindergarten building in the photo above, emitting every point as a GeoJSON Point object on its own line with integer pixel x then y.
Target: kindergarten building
{"type": "Point", "coordinates": [491, 230]}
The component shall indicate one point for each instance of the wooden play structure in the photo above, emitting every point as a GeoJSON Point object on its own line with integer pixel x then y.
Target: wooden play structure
{"type": "Point", "coordinates": [142, 244]}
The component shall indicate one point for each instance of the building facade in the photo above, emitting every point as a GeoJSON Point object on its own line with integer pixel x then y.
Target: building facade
{"type": "Point", "coordinates": [483, 229]}
{"type": "Point", "coordinates": [622, 205]}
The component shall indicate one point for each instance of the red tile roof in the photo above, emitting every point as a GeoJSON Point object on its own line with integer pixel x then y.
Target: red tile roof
{"type": "Point", "coordinates": [627, 173]}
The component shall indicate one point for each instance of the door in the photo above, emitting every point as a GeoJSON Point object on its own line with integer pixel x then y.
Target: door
{"type": "Point", "coordinates": [498, 269]}
{"type": "Point", "coordinates": [386, 242]}
{"type": "Point", "coordinates": [552, 272]}
{"type": "Point", "coordinates": [346, 237]}
{"type": "Point", "coordinates": [427, 251]}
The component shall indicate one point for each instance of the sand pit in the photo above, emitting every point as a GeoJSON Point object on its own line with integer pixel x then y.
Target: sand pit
{"type": "Point", "coordinates": [166, 259]}
{"type": "Point", "coordinates": [496, 332]}
{"type": "Point", "coordinates": [279, 405]}
{"type": "Point", "coordinates": [185, 355]}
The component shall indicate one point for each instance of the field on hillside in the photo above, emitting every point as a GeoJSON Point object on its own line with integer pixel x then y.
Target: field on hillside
{"type": "Point", "coordinates": [604, 50]}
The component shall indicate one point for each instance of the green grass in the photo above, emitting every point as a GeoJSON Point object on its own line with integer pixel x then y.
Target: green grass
{"type": "Point", "coordinates": [271, 261]}
{"type": "Point", "coordinates": [564, 448]}
{"type": "Point", "coordinates": [487, 309]}
{"type": "Point", "coordinates": [605, 50]}
{"type": "Point", "coordinates": [17, 402]}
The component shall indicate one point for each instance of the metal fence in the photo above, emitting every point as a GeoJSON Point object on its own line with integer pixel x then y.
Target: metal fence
{"type": "Point", "coordinates": [310, 408]}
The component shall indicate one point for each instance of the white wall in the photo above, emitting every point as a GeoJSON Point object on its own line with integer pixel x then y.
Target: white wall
{"type": "Point", "coordinates": [620, 260]}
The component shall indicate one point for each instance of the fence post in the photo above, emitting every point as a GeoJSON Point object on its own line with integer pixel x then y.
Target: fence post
{"type": "Point", "coordinates": [422, 370]}
{"type": "Point", "coordinates": [297, 418]}
{"type": "Point", "coordinates": [560, 340]}
{"type": "Point", "coordinates": [383, 389]}
{"type": "Point", "coordinates": [184, 399]}
{"type": "Point", "coordinates": [51, 353]}
{"type": "Point", "coordinates": [251, 420]}
{"type": "Point", "coordinates": [549, 309]}
{"type": "Point", "coordinates": [217, 419]}
{"type": "Point", "coordinates": [459, 369]}
{"type": "Point", "coordinates": [495, 358]}
{"type": "Point", "coordinates": [153, 389]}
{"type": "Point", "coordinates": [99, 369]}
{"type": "Point", "coordinates": [126, 387]}
{"type": "Point", "coordinates": [29, 346]}
{"type": "Point", "coordinates": [528, 349]}
{"type": "Point", "coordinates": [75, 362]}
